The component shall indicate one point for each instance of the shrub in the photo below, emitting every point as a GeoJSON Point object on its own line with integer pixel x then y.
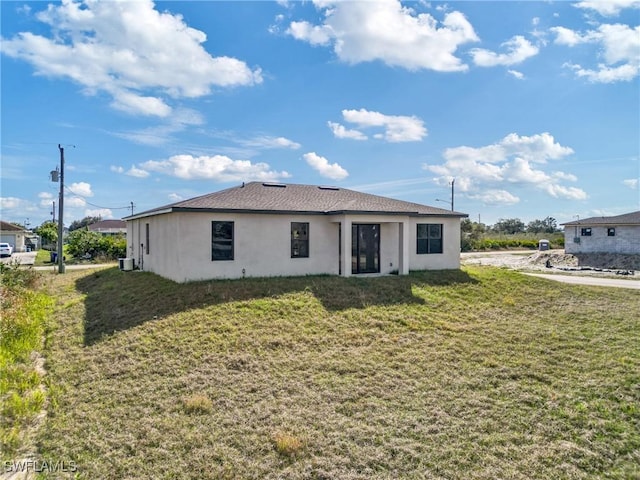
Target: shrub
{"type": "Point", "coordinates": [197, 403]}
{"type": "Point", "coordinates": [287, 443]}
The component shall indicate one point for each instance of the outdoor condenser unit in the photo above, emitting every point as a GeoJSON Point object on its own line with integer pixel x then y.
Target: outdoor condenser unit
{"type": "Point", "coordinates": [126, 264]}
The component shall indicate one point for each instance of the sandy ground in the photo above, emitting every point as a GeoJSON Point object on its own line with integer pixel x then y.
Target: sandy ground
{"type": "Point", "coordinates": [563, 267]}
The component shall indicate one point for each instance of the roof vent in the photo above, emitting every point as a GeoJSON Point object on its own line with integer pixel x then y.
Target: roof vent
{"type": "Point", "coordinates": [270, 184]}
{"type": "Point", "coordinates": [328, 187]}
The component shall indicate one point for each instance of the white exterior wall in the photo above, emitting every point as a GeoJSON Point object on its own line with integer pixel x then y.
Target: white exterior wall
{"type": "Point", "coordinates": [449, 259]}
{"type": "Point", "coordinates": [626, 239]}
{"type": "Point", "coordinates": [180, 245]}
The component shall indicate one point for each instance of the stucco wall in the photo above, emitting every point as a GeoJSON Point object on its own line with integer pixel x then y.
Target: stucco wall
{"type": "Point", "coordinates": [626, 240]}
{"type": "Point", "coordinates": [180, 245]}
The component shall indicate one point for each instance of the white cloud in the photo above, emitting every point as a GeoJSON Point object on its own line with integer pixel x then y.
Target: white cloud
{"type": "Point", "coordinates": [619, 49]}
{"type": "Point", "coordinates": [324, 168]}
{"type": "Point", "coordinates": [116, 169]}
{"type": "Point", "coordinates": [82, 189]}
{"type": "Point", "coordinates": [608, 8]}
{"type": "Point", "coordinates": [174, 197]}
{"type": "Point", "coordinates": [516, 74]}
{"type": "Point", "coordinates": [515, 160]}
{"type": "Point", "coordinates": [397, 128]}
{"type": "Point", "coordinates": [632, 183]}
{"type": "Point", "coordinates": [103, 213]}
{"type": "Point", "coordinates": [495, 197]}
{"type": "Point", "coordinates": [74, 202]}
{"type": "Point", "coordinates": [518, 50]}
{"type": "Point", "coordinates": [339, 131]}
{"type": "Point", "coordinates": [47, 199]}
{"type": "Point", "coordinates": [386, 30]}
{"type": "Point", "coordinates": [13, 203]}
{"type": "Point", "coordinates": [137, 172]}
{"type": "Point", "coordinates": [267, 141]}
{"type": "Point", "coordinates": [92, 44]}
{"type": "Point", "coordinates": [156, 135]}
{"type": "Point", "coordinates": [218, 167]}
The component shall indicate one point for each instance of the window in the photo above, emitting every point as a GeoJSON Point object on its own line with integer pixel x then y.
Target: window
{"type": "Point", "coordinates": [221, 240]}
{"type": "Point", "coordinates": [585, 232]}
{"type": "Point", "coordinates": [429, 238]}
{"type": "Point", "coordinates": [299, 240]}
{"type": "Point", "coordinates": [146, 238]}
{"type": "Point", "coordinates": [611, 232]}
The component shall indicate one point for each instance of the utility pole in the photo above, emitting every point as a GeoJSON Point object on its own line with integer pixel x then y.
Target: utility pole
{"type": "Point", "coordinates": [53, 211]}
{"type": "Point", "coordinates": [61, 212]}
{"type": "Point", "coordinates": [453, 182]}
{"type": "Point", "coordinates": [131, 208]}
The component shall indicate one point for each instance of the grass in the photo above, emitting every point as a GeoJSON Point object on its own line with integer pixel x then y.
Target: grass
{"type": "Point", "coordinates": [478, 374]}
{"type": "Point", "coordinates": [22, 329]}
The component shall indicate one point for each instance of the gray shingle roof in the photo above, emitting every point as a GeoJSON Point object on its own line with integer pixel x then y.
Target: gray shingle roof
{"type": "Point", "coordinates": [290, 198]}
{"type": "Point", "coordinates": [632, 218]}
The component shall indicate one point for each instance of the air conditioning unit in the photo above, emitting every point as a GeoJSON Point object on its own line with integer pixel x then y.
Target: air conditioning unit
{"type": "Point", "coordinates": [126, 264]}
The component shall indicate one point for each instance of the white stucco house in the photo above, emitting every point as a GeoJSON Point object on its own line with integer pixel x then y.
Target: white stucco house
{"type": "Point", "coordinates": [273, 229]}
{"type": "Point", "coordinates": [109, 227]}
{"type": "Point", "coordinates": [19, 238]}
{"type": "Point", "coordinates": [618, 234]}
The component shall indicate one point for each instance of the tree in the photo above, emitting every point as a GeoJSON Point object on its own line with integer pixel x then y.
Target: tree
{"type": "Point", "coordinates": [48, 232]}
{"type": "Point", "coordinates": [548, 225]}
{"type": "Point", "coordinates": [77, 224]}
{"type": "Point", "coordinates": [509, 226]}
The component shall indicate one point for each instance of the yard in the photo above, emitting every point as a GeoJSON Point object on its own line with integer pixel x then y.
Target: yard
{"type": "Point", "coordinates": [478, 374]}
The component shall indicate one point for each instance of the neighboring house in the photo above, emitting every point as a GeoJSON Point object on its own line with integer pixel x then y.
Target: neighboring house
{"type": "Point", "coordinates": [274, 229]}
{"type": "Point", "coordinates": [619, 234]}
{"type": "Point", "coordinates": [17, 237]}
{"type": "Point", "coordinates": [109, 227]}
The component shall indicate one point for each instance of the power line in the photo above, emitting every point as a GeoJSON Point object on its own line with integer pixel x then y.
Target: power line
{"type": "Point", "coordinates": [74, 194]}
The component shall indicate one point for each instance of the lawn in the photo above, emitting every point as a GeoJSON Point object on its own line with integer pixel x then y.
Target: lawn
{"type": "Point", "coordinates": [477, 374]}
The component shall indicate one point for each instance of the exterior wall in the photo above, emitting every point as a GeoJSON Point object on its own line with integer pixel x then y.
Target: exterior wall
{"type": "Point", "coordinates": [449, 259]}
{"type": "Point", "coordinates": [626, 239]}
{"type": "Point", "coordinates": [180, 245]}
{"type": "Point", "coordinates": [15, 239]}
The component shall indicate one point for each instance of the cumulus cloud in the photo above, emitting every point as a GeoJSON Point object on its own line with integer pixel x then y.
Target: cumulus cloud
{"type": "Point", "coordinates": [82, 189]}
{"type": "Point", "coordinates": [340, 131]}
{"type": "Point", "coordinates": [137, 172]}
{"type": "Point", "coordinates": [619, 51]}
{"type": "Point", "coordinates": [515, 161]}
{"type": "Point", "coordinates": [518, 50]}
{"type": "Point", "coordinates": [516, 74]}
{"type": "Point", "coordinates": [103, 213]}
{"type": "Point", "coordinates": [91, 44]}
{"type": "Point", "coordinates": [609, 8]}
{"type": "Point", "coordinates": [218, 167]}
{"type": "Point", "coordinates": [387, 31]}
{"type": "Point", "coordinates": [495, 197]}
{"type": "Point", "coordinates": [14, 203]}
{"type": "Point", "coordinates": [632, 183]}
{"type": "Point", "coordinates": [324, 168]}
{"type": "Point", "coordinates": [174, 197]}
{"type": "Point", "coordinates": [397, 128]}
{"type": "Point", "coordinates": [116, 169]}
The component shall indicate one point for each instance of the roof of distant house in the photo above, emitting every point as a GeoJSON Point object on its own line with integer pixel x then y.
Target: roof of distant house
{"type": "Point", "coordinates": [632, 218]}
{"type": "Point", "coordinates": [267, 197]}
{"type": "Point", "coordinates": [107, 225]}
{"type": "Point", "coordinates": [10, 227]}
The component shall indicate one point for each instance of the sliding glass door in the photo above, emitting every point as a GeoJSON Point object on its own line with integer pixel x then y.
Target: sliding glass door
{"type": "Point", "coordinates": [365, 248]}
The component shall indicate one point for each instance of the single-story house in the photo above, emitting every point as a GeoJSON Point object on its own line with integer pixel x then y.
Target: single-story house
{"type": "Point", "coordinates": [17, 237]}
{"type": "Point", "coordinates": [617, 234]}
{"type": "Point", "coordinates": [109, 227]}
{"type": "Point", "coordinates": [276, 229]}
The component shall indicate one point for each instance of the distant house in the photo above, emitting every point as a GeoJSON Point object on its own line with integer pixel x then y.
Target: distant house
{"type": "Point", "coordinates": [618, 234]}
{"type": "Point", "coordinates": [19, 238]}
{"type": "Point", "coordinates": [109, 227]}
{"type": "Point", "coordinates": [274, 229]}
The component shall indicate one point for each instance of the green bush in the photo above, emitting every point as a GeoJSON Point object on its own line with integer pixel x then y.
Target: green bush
{"type": "Point", "coordinates": [82, 243]}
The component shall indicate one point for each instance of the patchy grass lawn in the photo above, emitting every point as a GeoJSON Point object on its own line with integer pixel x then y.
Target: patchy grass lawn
{"type": "Point", "coordinates": [477, 374]}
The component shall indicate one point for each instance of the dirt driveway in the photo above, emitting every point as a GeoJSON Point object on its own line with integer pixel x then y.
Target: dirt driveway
{"type": "Point", "coordinates": [563, 268]}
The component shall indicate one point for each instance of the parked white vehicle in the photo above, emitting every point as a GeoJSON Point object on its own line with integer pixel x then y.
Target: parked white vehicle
{"type": "Point", "coordinates": [6, 250]}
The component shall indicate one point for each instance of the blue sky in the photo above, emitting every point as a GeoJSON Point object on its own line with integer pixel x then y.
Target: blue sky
{"type": "Point", "coordinates": [533, 107]}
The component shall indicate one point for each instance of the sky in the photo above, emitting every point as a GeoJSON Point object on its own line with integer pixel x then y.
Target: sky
{"type": "Point", "coordinates": [532, 107]}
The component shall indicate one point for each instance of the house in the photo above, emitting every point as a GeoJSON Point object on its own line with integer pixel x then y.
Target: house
{"type": "Point", "coordinates": [618, 234]}
{"type": "Point", "coordinates": [109, 227]}
{"type": "Point", "coordinates": [20, 239]}
{"type": "Point", "coordinates": [275, 229]}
